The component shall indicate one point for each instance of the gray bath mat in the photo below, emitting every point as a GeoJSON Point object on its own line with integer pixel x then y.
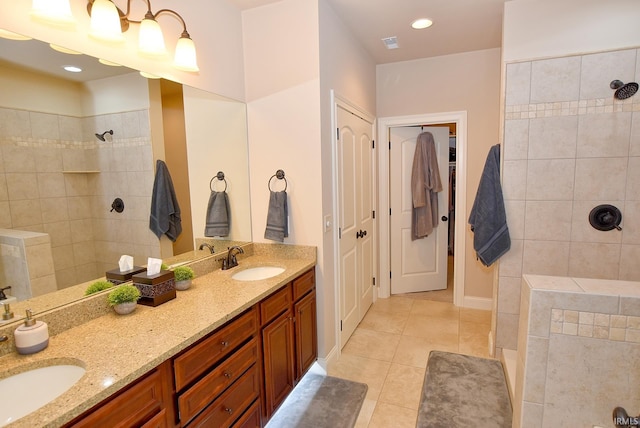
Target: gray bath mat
{"type": "Point", "coordinates": [464, 391]}
{"type": "Point", "coordinates": [319, 402]}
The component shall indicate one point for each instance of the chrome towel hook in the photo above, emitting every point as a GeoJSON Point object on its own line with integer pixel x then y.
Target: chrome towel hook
{"type": "Point", "coordinates": [280, 176]}
{"type": "Point", "coordinates": [220, 177]}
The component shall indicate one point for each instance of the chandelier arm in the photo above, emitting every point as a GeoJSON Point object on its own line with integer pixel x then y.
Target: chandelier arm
{"type": "Point", "coordinates": [173, 12]}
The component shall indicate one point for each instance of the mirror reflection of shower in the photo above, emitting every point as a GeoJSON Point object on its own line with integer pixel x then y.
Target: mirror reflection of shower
{"type": "Point", "coordinates": [105, 136]}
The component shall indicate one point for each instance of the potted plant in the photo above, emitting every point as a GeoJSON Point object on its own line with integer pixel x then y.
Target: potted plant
{"type": "Point", "coordinates": [184, 275]}
{"type": "Point", "coordinates": [124, 298]}
{"type": "Point", "coordinates": [97, 286]}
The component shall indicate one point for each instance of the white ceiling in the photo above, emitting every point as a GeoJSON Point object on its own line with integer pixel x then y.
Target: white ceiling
{"type": "Point", "coordinates": [458, 25]}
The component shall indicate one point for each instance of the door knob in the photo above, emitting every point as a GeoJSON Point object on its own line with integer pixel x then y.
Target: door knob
{"type": "Point", "coordinates": [361, 234]}
{"type": "Point", "coordinates": [444, 218]}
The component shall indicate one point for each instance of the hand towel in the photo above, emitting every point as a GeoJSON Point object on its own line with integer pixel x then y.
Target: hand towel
{"type": "Point", "coordinates": [217, 223]}
{"type": "Point", "coordinates": [277, 217]}
{"type": "Point", "coordinates": [425, 185]}
{"type": "Point", "coordinates": [488, 218]}
{"type": "Point", "coordinates": [165, 210]}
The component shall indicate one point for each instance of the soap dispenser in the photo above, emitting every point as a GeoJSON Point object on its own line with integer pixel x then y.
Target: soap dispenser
{"type": "Point", "coordinates": [32, 336]}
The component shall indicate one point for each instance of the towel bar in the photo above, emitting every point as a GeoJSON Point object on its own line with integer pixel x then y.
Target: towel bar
{"type": "Point", "coordinates": [220, 177]}
{"type": "Point", "coordinates": [280, 176]}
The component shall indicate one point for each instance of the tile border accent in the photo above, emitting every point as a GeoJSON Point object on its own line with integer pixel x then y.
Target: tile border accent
{"type": "Point", "coordinates": [621, 328]}
{"type": "Point", "coordinates": [571, 108]}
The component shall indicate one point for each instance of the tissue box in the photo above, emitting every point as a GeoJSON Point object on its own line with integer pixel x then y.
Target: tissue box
{"type": "Point", "coordinates": [155, 289]}
{"type": "Point", "coordinates": [117, 277]}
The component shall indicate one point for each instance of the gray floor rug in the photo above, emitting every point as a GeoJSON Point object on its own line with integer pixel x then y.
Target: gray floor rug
{"type": "Point", "coordinates": [464, 391]}
{"type": "Point", "coordinates": [321, 401]}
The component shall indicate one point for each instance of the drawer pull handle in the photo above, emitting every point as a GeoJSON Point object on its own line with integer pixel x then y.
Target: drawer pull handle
{"type": "Point", "coordinates": [228, 410]}
{"type": "Point", "coordinates": [227, 375]}
{"type": "Point", "coordinates": [224, 343]}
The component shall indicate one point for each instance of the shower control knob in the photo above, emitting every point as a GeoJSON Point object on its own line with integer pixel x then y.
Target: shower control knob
{"type": "Point", "coordinates": [444, 218]}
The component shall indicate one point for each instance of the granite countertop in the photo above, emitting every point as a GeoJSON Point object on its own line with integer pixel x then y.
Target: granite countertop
{"type": "Point", "coordinates": [115, 349]}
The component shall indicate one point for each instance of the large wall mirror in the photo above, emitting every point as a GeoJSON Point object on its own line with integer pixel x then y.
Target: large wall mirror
{"type": "Point", "coordinates": [60, 173]}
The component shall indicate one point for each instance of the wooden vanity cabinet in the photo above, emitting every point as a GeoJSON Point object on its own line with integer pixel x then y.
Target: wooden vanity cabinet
{"type": "Point", "coordinates": [145, 403]}
{"type": "Point", "coordinates": [289, 338]}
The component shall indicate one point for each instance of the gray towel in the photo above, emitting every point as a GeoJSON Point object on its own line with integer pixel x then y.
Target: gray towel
{"type": "Point", "coordinates": [277, 224]}
{"type": "Point", "coordinates": [165, 211]}
{"type": "Point", "coordinates": [488, 218]}
{"type": "Point", "coordinates": [217, 215]}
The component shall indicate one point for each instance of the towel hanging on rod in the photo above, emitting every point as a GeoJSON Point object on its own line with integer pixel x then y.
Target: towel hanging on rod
{"type": "Point", "coordinates": [280, 176]}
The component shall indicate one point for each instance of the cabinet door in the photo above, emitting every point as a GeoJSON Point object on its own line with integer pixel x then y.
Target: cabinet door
{"type": "Point", "coordinates": [279, 365]}
{"type": "Point", "coordinates": [306, 333]}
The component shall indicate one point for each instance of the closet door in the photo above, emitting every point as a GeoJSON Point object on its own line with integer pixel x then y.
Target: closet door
{"type": "Point", "coordinates": [419, 265]}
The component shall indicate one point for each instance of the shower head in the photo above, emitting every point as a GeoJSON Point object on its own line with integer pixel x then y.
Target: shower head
{"type": "Point", "coordinates": [623, 91]}
{"type": "Point", "coordinates": [101, 137]}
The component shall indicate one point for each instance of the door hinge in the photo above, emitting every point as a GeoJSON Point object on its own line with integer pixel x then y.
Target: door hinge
{"type": "Point", "coordinates": [373, 213]}
{"type": "Point", "coordinates": [340, 325]}
{"type": "Point", "coordinates": [389, 211]}
{"type": "Point", "coordinates": [373, 280]}
{"type": "Point", "coordinates": [339, 233]}
{"type": "Point", "coordinates": [389, 274]}
{"type": "Point", "coordinates": [337, 133]}
{"type": "Point", "coordinates": [373, 144]}
{"type": "Point", "coordinates": [389, 145]}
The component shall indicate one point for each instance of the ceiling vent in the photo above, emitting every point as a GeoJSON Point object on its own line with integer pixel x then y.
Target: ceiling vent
{"type": "Point", "coordinates": [391, 42]}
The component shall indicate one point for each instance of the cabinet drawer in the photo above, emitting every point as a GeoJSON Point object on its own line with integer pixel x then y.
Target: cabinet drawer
{"type": "Point", "coordinates": [158, 421]}
{"type": "Point", "coordinates": [275, 304]}
{"type": "Point", "coordinates": [133, 407]}
{"type": "Point", "coordinates": [251, 418]}
{"type": "Point", "coordinates": [304, 283]}
{"type": "Point", "coordinates": [198, 359]}
{"type": "Point", "coordinates": [196, 398]}
{"type": "Point", "coordinates": [232, 403]}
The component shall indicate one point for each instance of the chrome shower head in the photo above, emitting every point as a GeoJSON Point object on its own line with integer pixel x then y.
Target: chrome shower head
{"type": "Point", "coordinates": [623, 91]}
{"type": "Point", "coordinates": [101, 137]}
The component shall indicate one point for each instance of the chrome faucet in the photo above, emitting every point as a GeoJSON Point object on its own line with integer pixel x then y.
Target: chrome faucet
{"type": "Point", "coordinates": [210, 247]}
{"type": "Point", "coordinates": [231, 261]}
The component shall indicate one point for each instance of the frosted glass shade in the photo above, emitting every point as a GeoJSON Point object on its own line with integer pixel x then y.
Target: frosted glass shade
{"type": "Point", "coordinates": [150, 38]}
{"type": "Point", "coordinates": [105, 22]}
{"type": "Point", "coordinates": [185, 56]}
{"type": "Point", "coordinates": [57, 12]}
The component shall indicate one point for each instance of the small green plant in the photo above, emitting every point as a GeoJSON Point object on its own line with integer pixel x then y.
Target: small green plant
{"type": "Point", "coordinates": [183, 273]}
{"type": "Point", "coordinates": [97, 286]}
{"type": "Point", "coordinates": [123, 294]}
{"type": "Point", "coordinates": [164, 266]}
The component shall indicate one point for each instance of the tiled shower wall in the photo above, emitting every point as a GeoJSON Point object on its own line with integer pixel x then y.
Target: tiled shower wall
{"type": "Point", "coordinates": [57, 178]}
{"type": "Point", "coordinates": [568, 147]}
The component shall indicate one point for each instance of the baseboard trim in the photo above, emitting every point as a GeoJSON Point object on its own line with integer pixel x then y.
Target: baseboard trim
{"type": "Point", "coordinates": [331, 357]}
{"type": "Point", "coordinates": [472, 302]}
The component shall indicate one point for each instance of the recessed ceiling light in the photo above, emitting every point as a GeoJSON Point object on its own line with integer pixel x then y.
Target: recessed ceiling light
{"type": "Point", "coordinates": [72, 68]}
{"type": "Point", "coordinates": [12, 36]}
{"type": "Point", "coordinates": [109, 63]}
{"type": "Point", "coordinates": [421, 23]}
{"type": "Point", "coordinates": [63, 49]}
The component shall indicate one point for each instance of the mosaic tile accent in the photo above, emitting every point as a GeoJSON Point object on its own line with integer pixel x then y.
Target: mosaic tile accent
{"type": "Point", "coordinates": [621, 328]}
{"type": "Point", "coordinates": [571, 108]}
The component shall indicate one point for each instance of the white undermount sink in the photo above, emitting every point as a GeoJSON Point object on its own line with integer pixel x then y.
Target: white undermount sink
{"type": "Point", "coordinates": [258, 273]}
{"type": "Point", "coordinates": [26, 392]}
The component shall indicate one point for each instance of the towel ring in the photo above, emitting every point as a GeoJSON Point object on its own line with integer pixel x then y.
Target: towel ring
{"type": "Point", "coordinates": [280, 176]}
{"type": "Point", "coordinates": [220, 177]}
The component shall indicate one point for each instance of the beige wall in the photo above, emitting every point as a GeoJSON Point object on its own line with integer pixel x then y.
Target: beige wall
{"type": "Point", "coordinates": [462, 82]}
{"type": "Point", "coordinates": [576, 107]}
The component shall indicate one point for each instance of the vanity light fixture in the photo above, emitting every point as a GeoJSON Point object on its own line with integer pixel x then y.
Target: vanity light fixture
{"type": "Point", "coordinates": [421, 23]}
{"type": "Point", "coordinates": [63, 49]}
{"type": "Point", "coordinates": [148, 75]}
{"type": "Point", "coordinates": [108, 23]}
{"type": "Point", "coordinates": [12, 36]}
{"type": "Point", "coordinates": [109, 63]}
{"type": "Point", "coordinates": [55, 12]}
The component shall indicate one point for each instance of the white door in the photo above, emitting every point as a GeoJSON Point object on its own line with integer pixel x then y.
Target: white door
{"type": "Point", "coordinates": [419, 265]}
{"type": "Point", "coordinates": [355, 198]}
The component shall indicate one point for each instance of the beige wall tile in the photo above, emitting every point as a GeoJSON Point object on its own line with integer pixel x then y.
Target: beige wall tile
{"type": "Point", "coordinates": [43, 285]}
{"type": "Point", "coordinates": [550, 180]}
{"type": "Point", "coordinates": [509, 295]}
{"type": "Point", "coordinates": [5, 215]}
{"type": "Point", "coordinates": [70, 128]}
{"type": "Point", "coordinates": [22, 186]}
{"type": "Point", "coordinates": [80, 208]}
{"type": "Point", "coordinates": [546, 257]}
{"type": "Point", "coordinates": [601, 179]}
{"type": "Point", "coordinates": [633, 177]}
{"type": "Point", "coordinates": [600, 67]}
{"type": "Point", "coordinates": [555, 79]}
{"type": "Point", "coordinates": [537, 349]}
{"type": "Point", "coordinates": [60, 233]}
{"type": "Point", "coordinates": [511, 262]}
{"type": "Point", "coordinates": [76, 185]}
{"type": "Point", "coordinates": [44, 125]}
{"type": "Point", "coordinates": [48, 159]}
{"type": "Point", "coordinates": [581, 229]}
{"type": "Point", "coordinates": [514, 179]}
{"type": "Point", "coordinates": [51, 185]}
{"type": "Point", "coordinates": [634, 149]}
{"type": "Point", "coordinates": [631, 217]}
{"type": "Point", "coordinates": [16, 123]}
{"type": "Point", "coordinates": [18, 159]}
{"type": "Point", "coordinates": [63, 257]}
{"type": "Point", "coordinates": [518, 83]}
{"type": "Point", "coordinates": [4, 192]}
{"type": "Point", "coordinates": [604, 135]}
{"type": "Point", "coordinates": [517, 133]}
{"type": "Point", "coordinates": [66, 277]}
{"type": "Point", "coordinates": [25, 213]}
{"type": "Point", "coordinates": [532, 415]}
{"type": "Point", "coordinates": [583, 255]}
{"type": "Point", "coordinates": [553, 137]}
{"type": "Point", "coordinates": [629, 266]}
{"type": "Point", "coordinates": [515, 211]}
{"type": "Point", "coordinates": [548, 220]}
{"type": "Point", "coordinates": [507, 328]}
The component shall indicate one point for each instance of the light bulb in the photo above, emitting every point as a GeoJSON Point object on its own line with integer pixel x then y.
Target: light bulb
{"type": "Point", "coordinates": [105, 22]}
{"type": "Point", "coordinates": [56, 12]}
{"type": "Point", "coordinates": [150, 38]}
{"type": "Point", "coordinates": [185, 56]}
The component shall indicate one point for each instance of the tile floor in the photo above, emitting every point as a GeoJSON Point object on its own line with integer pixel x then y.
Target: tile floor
{"type": "Point", "coordinates": [389, 350]}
